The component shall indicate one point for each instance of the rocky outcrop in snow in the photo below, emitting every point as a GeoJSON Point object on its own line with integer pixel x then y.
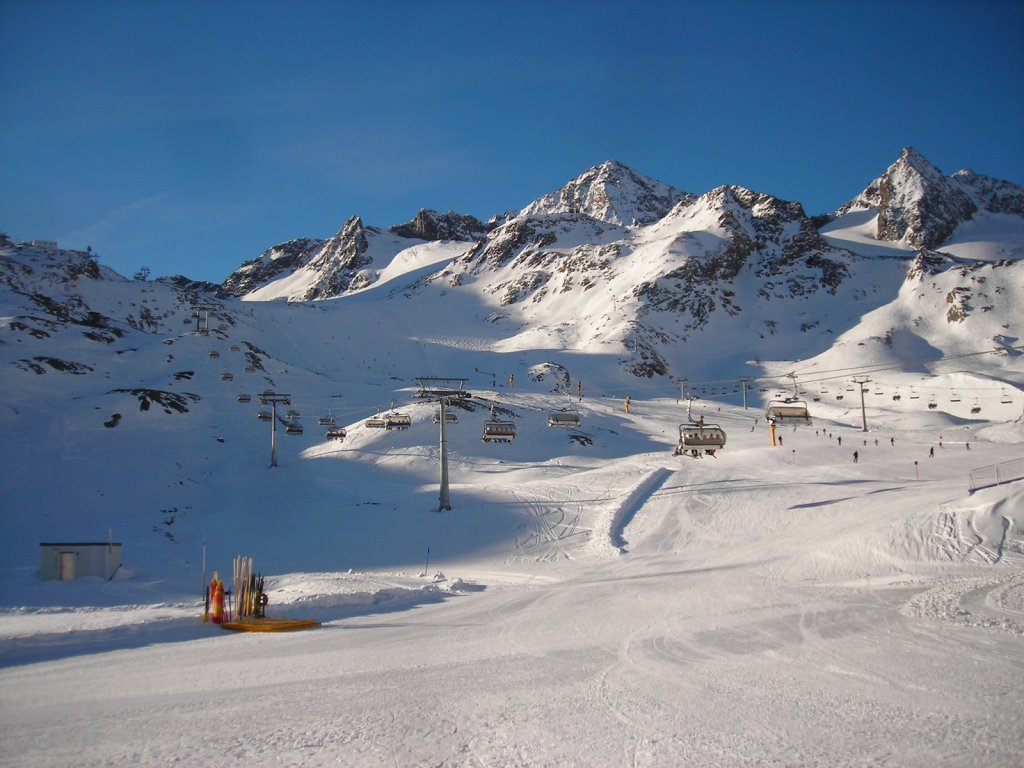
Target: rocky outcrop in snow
{"type": "Point", "coordinates": [431, 225]}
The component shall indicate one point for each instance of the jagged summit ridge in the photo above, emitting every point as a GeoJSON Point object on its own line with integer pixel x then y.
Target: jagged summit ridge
{"type": "Point", "coordinates": [610, 192]}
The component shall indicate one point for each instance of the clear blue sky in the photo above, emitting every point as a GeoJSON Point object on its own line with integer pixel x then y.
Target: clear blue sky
{"type": "Point", "coordinates": [190, 136]}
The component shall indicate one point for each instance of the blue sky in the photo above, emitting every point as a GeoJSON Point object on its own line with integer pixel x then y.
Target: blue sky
{"type": "Point", "coordinates": [190, 136]}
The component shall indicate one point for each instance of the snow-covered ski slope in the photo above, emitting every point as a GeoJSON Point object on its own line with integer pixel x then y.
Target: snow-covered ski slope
{"type": "Point", "coordinates": [590, 599]}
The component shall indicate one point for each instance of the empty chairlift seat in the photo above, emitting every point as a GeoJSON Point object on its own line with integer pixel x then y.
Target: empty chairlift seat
{"type": "Point", "coordinates": [788, 411]}
{"type": "Point", "coordinates": [450, 417]}
{"type": "Point", "coordinates": [335, 433]}
{"type": "Point", "coordinates": [565, 417]}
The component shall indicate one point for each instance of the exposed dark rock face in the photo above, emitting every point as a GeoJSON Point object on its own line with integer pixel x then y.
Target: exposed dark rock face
{"type": "Point", "coordinates": [431, 225]}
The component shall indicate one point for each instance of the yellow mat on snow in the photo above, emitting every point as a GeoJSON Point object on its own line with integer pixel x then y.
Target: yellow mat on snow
{"type": "Point", "coordinates": [269, 624]}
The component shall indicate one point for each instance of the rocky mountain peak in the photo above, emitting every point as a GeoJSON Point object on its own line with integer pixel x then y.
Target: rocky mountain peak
{"type": "Point", "coordinates": [916, 203]}
{"type": "Point", "coordinates": [610, 192]}
{"type": "Point", "coordinates": [431, 225]}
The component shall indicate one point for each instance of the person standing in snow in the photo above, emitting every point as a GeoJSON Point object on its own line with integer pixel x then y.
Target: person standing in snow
{"type": "Point", "coordinates": [855, 457]}
{"type": "Point", "coordinates": [931, 452]}
{"type": "Point", "coordinates": [627, 404]}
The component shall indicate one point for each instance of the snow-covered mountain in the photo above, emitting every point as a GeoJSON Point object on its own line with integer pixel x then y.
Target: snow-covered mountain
{"type": "Point", "coordinates": [842, 578]}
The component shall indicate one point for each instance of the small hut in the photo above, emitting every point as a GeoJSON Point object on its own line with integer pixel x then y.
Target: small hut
{"type": "Point", "coordinates": [71, 560]}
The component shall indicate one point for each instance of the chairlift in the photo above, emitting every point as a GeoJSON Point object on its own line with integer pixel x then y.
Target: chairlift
{"type": "Point", "coordinates": [293, 415]}
{"type": "Point", "coordinates": [976, 408]}
{"type": "Point", "coordinates": [788, 410]}
{"type": "Point", "coordinates": [1004, 398]}
{"type": "Point", "coordinates": [913, 394]}
{"type": "Point", "coordinates": [396, 420]}
{"type": "Point", "coordinates": [498, 431]}
{"type": "Point", "coordinates": [897, 396]}
{"type": "Point", "coordinates": [244, 397]}
{"type": "Point", "coordinates": [564, 417]}
{"type": "Point", "coordinates": [839, 396]}
{"type": "Point", "coordinates": [264, 415]}
{"type": "Point", "coordinates": [293, 429]}
{"type": "Point", "coordinates": [954, 397]}
{"type": "Point", "coordinates": [567, 417]}
{"type": "Point", "coordinates": [335, 433]}
{"type": "Point", "coordinates": [376, 422]}
{"type": "Point", "coordinates": [227, 376]}
{"type": "Point", "coordinates": [250, 369]}
{"type": "Point", "coordinates": [213, 353]}
{"type": "Point", "coordinates": [326, 421]}
{"type": "Point", "coordinates": [450, 416]}
{"type": "Point", "coordinates": [234, 348]}
{"type": "Point", "coordinates": [697, 438]}
{"type": "Point", "coordinates": [932, 405]}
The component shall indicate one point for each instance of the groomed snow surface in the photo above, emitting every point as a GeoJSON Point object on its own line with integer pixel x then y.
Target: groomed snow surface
{"type": "Point", "coordinates": [611, 604]}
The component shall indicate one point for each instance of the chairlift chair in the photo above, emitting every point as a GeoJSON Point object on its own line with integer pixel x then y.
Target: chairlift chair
{"type": "Point", "coordinates": [250, 369]}
{"type": "Point", "coordinates": [788, 410]}
{"type": "Point", "coordinates": [264, 415]}
{"type": "Point", "coordinates": [565, 417]}
{"type": "Point", "coordinates": [326, 421]}
{"type": "Point", "coordinates": [293, 415]}
{"type": "Point", "coordinates": [697, 438]}
{"type": "Point", "coordinates": [498, 431]}
{"type": "Point", "coordinates": [976, 408]}
{"type": "Point", "coordinates": [395, 420]}
{"type": "Point", "coordinates": [244, 397]}
{"type": "Point", "coordinates": [375, 422]}
{"type": "Point", "coordinates": [335, 433]}
{"type": "Point", "coordinates": [213, 353]}
{"type": "Point", "coordinates": [293, 428]}
{"type": "Point", "coordinates": [1005, 399]}
{"type": "Point", "coordinates": [450, 416]}
{"type": "Point", "coordinates": [227, 376]}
